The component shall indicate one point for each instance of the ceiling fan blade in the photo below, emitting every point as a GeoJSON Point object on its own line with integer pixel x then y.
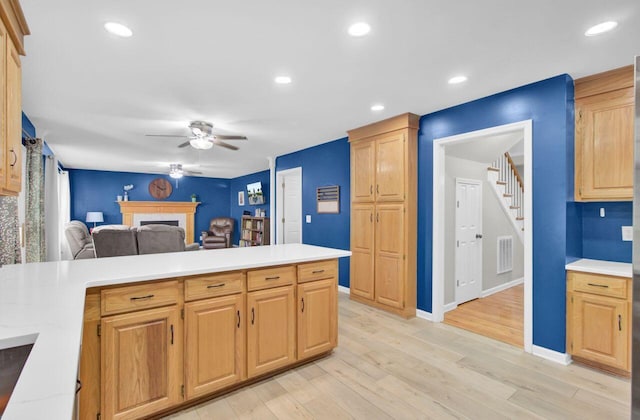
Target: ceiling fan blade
{"type": "Point", "coordinates": [223, 144]}
{"type": "Point", "coordinates": [225, 137]}
{"type": "Point", "coordinates": [193, 172]}
{"type": "Point", "coordinates": [165, 135]}
{"type": "Point", "coordinates": [185, 144]}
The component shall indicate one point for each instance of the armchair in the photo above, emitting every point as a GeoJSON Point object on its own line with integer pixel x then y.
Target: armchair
{"type": "Point", "coordinates": [219, 233]}
{"type": "Point", "coordinates": [79, 240]}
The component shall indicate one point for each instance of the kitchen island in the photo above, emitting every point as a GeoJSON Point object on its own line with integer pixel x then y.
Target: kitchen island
{"type": "Point", "coordinates": [44, 304]}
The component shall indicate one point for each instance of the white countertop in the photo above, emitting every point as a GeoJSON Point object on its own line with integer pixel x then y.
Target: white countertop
{"type": "Point", "coordinates": [45, 302]}
{"type": "Point", "coordinates": [609, 268]}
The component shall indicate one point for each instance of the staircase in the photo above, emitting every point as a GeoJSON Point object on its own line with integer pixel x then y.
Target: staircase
{"type": "Point", "coordinates": [509, 188]}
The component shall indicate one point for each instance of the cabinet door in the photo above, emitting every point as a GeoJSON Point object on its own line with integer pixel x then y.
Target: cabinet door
{"type": "Point", "coordinates": [141, 363]}
{"type": "Point", "coordinates": [605, 132]}
{"type": "Point", "coordinates": [3, 92]}
{"type": "Point", "coordinates": [271, 330]}
{"type": "Point", "coordinates": [362, 250]}
{"type": "Point", "coordinates": [389, 255]}
{"type": "Point", "coordinates": [600, 330]}
{"type": "Point", "coordinates": [13, 88]}
{"type": "Point", "coordinates": [214, 344]}
{"type": "Point", "coordinates": [362, 171]}
{"type": "Point", "coordinates": [390, 167]}
{"type": "Point", "coordinates": [317, 317]}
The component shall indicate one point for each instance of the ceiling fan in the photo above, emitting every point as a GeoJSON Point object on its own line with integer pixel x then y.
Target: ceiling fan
{"type": "Point", "coordinates": [202, 137]}
{"type": "Point", "coordinates": [176, 171]}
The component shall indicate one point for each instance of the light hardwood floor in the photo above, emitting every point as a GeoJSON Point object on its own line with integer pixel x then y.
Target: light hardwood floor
{"type": "Point", "coordinates": [499, 316]}
{"type": "Point", "coordinates": [389, 368]}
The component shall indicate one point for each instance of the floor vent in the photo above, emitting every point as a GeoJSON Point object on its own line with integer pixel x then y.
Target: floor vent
{"type": "Point", "coordinates": [505, 254]}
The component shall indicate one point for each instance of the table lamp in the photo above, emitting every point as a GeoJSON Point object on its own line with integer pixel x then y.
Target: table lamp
{"type": "Point", "coordinates": [95, 217]}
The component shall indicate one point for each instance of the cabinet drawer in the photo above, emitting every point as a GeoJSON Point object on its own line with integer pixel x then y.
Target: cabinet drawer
{"type": "Point", "coordinates": [317, 270]}
{"type": "Point", "coordinates": [210, 285]}
{"type": "Point", "coordinates": [271, 277]}
{"type": "Point", "coordinates": [599, 285]}
{"type": "Point", "coordinates": [133, 298]}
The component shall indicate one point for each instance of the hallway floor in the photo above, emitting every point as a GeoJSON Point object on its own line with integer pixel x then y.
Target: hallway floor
{"type": "Point", "coordinates": [499, 316]}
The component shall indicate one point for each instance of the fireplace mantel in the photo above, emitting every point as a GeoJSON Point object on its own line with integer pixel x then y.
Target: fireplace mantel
{"type": "Point", "coordinates": [188, 208]}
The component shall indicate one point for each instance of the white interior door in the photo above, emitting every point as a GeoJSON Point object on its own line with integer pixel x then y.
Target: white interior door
{"type": "Point", "coordinates": [289, 206]}
{"type": "Point", "coordinates": [468, 260]}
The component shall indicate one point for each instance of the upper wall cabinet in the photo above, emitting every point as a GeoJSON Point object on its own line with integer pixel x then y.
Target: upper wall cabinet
{"type": "Point", "coordinates": [13, 28]}
{"type": "Point", "coordinates": [604, 136]}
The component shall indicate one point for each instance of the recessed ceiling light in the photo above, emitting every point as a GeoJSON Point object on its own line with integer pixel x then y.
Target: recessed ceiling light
{"type": "Point", "coordinates": [118, 29]}
{"type": "Point", "coordinates": [359, 29]}
{"type": "Point", "coordinates": [377, 107]}
{"type": "Point", "coordinates": [283, 80]}
{"type": "Point", "coordinates": [601, 28]}
{"type": "Point", "coordinates": [457, 79]}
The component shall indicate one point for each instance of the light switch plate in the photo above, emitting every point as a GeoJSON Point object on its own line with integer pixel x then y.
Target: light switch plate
{"type": "Point", "coordinates": [627, 233]}
{"type": "Point", "coordinates": [308, 218]}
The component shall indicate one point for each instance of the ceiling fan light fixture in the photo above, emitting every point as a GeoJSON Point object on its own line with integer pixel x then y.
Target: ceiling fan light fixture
{"type": "Point", "coordinates": [176, 175]}
{"type": "Point", "coordinates": [175, 171]}
{"type": "Point", "coordinates": [201, 143]}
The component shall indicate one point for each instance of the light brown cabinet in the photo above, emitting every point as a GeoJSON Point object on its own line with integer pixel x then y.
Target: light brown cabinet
{"type": "Point", "coordinates": [604, 112]}
{"type": "Point", "coordinates": [214, 344]}
{"type": "Point", "coordinates": [271, 330]}
{"type": "Point", "coordinates": [383, 214]}
{"type": "Point", "coordinates": [141, 362]}
{"type": "Point", "coordinates": [317, 308]}
{"type": "Point", "coordinates": [13, 28]}
{"type": "Point", "coordinates": [599, 320]}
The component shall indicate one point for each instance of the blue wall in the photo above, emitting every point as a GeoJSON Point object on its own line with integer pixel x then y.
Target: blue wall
{"type": "Point", "coordinates": [97, 191]}
{"type": "Point", "coordinates": [602, 236]}
{"type": "Point", "coordinates": [240, 184]}
{"type": "Point", "coordinates": [324, 165]}
{"type": "Point", "coordinates": [549, 105]}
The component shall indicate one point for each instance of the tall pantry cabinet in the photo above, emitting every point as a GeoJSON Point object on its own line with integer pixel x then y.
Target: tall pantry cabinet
{"type": "Point", "coordinates": [383, 214]}
{"type": "Point", "coordinates": [13, 28]}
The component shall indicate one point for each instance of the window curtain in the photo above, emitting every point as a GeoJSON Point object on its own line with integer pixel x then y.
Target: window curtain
{"type": "Point", "coordinates": [9, 231]}
{"type": "Point", "coordinates": [64, 212]}
{"type": "Point", "coordinates": [34, 203]}
{"type": "Point", "coordinates": [52, 209]}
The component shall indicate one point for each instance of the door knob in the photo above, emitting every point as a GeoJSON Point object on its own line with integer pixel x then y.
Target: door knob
{"type": "Point", "coordinates": [478, 236]}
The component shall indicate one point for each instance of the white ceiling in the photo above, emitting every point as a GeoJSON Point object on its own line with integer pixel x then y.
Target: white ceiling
{"type": "Point", "coordinates": [487, 149]}
{"type": "Point", "coordinates": [93, 96]}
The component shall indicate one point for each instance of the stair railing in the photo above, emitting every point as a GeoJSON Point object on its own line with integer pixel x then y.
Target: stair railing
{"type": "Point", "coordinates": [508, 174]}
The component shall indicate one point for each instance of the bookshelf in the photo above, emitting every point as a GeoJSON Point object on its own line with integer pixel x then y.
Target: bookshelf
{"type": "Point", "coordinates": [254, 231]}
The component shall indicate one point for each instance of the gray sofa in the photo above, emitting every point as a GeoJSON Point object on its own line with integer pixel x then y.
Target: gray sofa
{"type": "Point", "coordinates": [114, 241]}
{"type": "Point", "coordinates": [120, 240]}
{"type": "Point", "coordinates": [155, 239]}
{"type": "Point", "coordinates": [79, 240]}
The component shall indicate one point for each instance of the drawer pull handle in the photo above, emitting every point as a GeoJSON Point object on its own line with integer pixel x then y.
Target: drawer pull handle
{"type": "Point", "coordinates": [172, 334]}
{"type": "Point", "coordinates": [599, 285]}
{"type": "Point", "coordinates": [272, 278]}
{"type": "Point", "coordinates": [141, 297]}
{"type": "Point", "coordinates": [302, 305]}
{"type": "Point", "coordinates": [212, 286]}
{"type": "Point", "coordinates": [317, 271]}
{"type": "Point", "coordinates": [253, 315]}
{"type": "Point", "coordinates": [619, 322]}
{"type": "Point", "coordinates": [238, 319]}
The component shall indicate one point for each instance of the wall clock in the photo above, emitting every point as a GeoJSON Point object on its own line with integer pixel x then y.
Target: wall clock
{"type": "Point", "coordinates": [160, 188]}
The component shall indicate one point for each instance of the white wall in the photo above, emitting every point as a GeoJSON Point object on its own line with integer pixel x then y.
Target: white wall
{"type": "Point", "coordinates": [494, 223]}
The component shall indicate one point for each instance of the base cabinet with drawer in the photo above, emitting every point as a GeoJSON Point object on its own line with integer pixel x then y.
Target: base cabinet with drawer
{"type": "Point", "coordinates": [599, 320]}
{"type": "Point", "coordinates": [163, 344]}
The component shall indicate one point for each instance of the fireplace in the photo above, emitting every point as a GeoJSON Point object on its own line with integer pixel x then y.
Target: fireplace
{"type": "Point", "coordinates": [134, 213]}
{"type": "Point", "coordinates": [159, 222]}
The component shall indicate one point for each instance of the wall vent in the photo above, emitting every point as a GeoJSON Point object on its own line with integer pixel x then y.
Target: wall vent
{"type": "Point", "coordinates": [505, 254]}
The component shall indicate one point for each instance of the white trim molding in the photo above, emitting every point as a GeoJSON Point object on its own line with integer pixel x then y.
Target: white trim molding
{"type": "Point", "coordinates": [502, 287]}
{"type": "Point", "coordinates": [450, 306]}
{"type": "Point", "coordinates": [424, 315]}
{"type": "Point", "coordinates": [552, 355]}
{"type": "Point", "coordinates": [438, 200]}
{"type": "Point", "coordinates": [343, 289]}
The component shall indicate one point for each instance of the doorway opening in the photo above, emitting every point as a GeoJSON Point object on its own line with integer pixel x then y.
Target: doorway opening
{"type": "Point", "coordinates": [288, 220]}
{"type": "Point", "coordinates": [457, 157]}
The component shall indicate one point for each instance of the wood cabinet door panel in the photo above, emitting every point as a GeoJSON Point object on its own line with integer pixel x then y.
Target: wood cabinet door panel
{"type": "Point", "coordinates": [600, 330]}
{"type": "Point", "coordinates": [390, 167]}
{"type": "Point", "coordinates": [605, 133]}
{"type": "Point", "coordinates": [389, 255]}
{"type": "Point", "coordinates": [141, 356]}
{"type": "Point", "coordinates": [270, 330]}
{"type": "Point", "coordinates": [14, 120]}
{"type": "Point", "coordinates": [362, 171]}
{"type": "Point", "coordinates": [214, 344]}
{"type": "Point", "coordinates": [317, 319]}
{"type": "Point", "coordinates": [4, 162]}
{"type": "Point", "coordinates": [362, 248]}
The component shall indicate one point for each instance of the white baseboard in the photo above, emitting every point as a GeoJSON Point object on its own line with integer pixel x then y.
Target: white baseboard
{"type": "Point", "coordinates": [501, 287]}
{"type": "Point", "coordinates": [424, 315]}
{"type": "Point", "coordinates": [450, 306]}
{"type": "Point", "coordinates": [343, 289]}
{"type": "Point", "coordinates": [554, 356]}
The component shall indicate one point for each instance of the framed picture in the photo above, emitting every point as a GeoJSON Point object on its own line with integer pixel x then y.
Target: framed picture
{"type": "Point", "coordinates": [241, 198]}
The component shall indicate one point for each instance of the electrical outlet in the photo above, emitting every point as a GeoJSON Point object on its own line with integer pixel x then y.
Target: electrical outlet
{"type": "Point", "coordinates": [627, 233]}
{"type": "Point", "coordinates": [308, 218]}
